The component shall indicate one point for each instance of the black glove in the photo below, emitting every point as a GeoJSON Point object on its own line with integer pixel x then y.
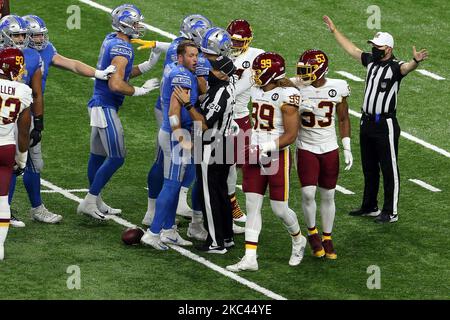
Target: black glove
{"type": "Point", "coordinates": [35, 134]}
{"type": "Point", "coordinates": [18, 171]}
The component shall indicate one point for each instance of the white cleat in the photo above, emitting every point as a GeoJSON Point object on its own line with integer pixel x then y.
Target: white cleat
{"type": "Point", "coordinates": [172, 236]}
{"type": "Point", "coordinates": [241, 219]}
{"type": "Point", "coordinates": [298, 250]}
{"type": "Point", "coordinates": [148, 218]}
{"type": "Point", "coordinates": [105, 209]}
{"type": "Point", "coordinates": [90, 209]}
{"type": "Point", "coordinates": [154, 241]}
{"type": "Point", "coordinates": [2, 252]}
{"type": "Point", "coordinates": [16, 222]}
{"type": "Point", "coordinates": [42, 214]}
{"type": "Point", "coordinates": [197, 231]}
{"type": "Point", "coordinates": [238, 229]}
{"type": "Point", "coordinates": [246, 263]}
{"type": "Point", "coordinates": [183, 209]}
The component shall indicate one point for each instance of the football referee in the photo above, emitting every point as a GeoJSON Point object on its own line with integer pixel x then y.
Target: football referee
{"type": "Point", "coordinates": [215, 115]}
{"type": "Point", "coordinates": [379, 128]}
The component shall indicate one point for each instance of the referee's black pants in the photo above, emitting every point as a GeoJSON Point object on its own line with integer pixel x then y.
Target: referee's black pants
{"type": "Point", "coordinates": [216, 205]}
{"type": "Point", "coordinates": [379, 149]}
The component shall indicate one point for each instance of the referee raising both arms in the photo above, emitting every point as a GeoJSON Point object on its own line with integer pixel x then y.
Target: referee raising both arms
{"type": "Point", "coordinates": [379, 129]}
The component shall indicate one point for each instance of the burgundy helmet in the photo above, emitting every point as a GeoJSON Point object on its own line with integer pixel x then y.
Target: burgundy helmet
{"type": "Point", "coordinates": [268, 66]}
{"type": "Point", "coordinates": [241, 36]}
{"type": "Point", "coordinates": [312, 65]}
{"type": "Point", "coordinates": [12, 63]}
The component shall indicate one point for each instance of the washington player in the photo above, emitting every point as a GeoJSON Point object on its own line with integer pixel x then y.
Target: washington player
{"type": "Point", "coordinates": [15, 99]}
{"type": "Point", "coordinates": [276, 101]}
{"type": "Point", "coordinates": [107, 152]}
{"type": "Point", "coordinates": [317, 153]}
{"type": "Point", "coordinates": [14, 33]}
{"type": "Point", "coordinates": [242, 56]}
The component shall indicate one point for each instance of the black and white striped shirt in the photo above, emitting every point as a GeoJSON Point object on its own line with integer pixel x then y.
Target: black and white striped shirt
{"type": "Point", "coordinates": [217, 108]}
{"type": "Point", "coordinates": [382, 85]}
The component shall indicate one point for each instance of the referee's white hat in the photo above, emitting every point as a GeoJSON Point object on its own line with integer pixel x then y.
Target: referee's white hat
{"type": "Point", "coordinates": [382, 39]}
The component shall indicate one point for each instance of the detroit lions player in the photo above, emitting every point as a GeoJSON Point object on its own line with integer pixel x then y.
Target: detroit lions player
{"type": "Point", "coordinates": [14, 33]}
{"type": "Point", "coordinates": [107, 138]}
{"type": "Point", "coordinates": [174, 139]}
{"type": "Point", "coordinates": [39, 41]}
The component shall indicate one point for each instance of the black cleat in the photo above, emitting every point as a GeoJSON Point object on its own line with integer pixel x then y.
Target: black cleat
{"type": "Point", "coordinates": [385, 217]}
{"type": "Point", "coordinates": [372, 212]}
{"type": "Point", "coordinates": [212, 249]}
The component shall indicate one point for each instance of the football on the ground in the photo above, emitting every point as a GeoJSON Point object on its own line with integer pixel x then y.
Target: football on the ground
{"type": "Point", "coordinates": [132, 236]}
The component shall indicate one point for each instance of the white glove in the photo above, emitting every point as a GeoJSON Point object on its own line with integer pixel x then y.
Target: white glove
{"type": "Point", "coordinates": [306, 106]}
{"type": "Point", "coordinates": [21, 160]}
{"type": "Point", "coordinates": [148, 86]}
{"type": "Point", "coordinates": [234, 129]}
{"type": "Point", "coordinates": [267, 147]}
{"type": "Point", "coordinates": [105, 74]}
{"type": "Point", "coordinates": [348, 157]}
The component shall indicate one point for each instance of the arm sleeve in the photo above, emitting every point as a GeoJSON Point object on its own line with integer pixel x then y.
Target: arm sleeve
{"type": "Point", "coordinates": [366, 58]}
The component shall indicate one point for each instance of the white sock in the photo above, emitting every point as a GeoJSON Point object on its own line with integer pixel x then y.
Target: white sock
{"type": "Point", "coordinates": [197, 216]}
{"type": "Point", "coordinates": [327, 209]}
{"type": "Point", "coordinates": [232, 179]}
{"type": "Point", "coordinates": [151, 206]}
{"type": "Point", "coordinates": [5, 215]}
{"type": "Point", "coordinates": [287, 215]}
{"type": "Point", "coordinates": [309, 205]}
{"type": "Point", "coordinates": [253, 224]}
{"type": "Point", "coordinates": [90, 198]}
{"type": "Point", "coordinates": [183, 195]}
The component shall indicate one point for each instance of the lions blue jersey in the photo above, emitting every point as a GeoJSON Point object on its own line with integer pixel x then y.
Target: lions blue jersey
{"type": "Point", "coordinates": [47, 55]}
{"type": "Point", "coordinates": [175, 75]}
{"type": "Point", "coordinates": [111, 47]}
{"type": "Point", "coordinates": [33, 62]}
{"type": "Point", "coordinates": [203, 65]}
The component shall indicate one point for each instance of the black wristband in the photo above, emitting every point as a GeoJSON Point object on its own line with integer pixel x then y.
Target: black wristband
{"type": "Point", "coordinates": [38, 123]}
{"type": "Point", "coordinates": [188, 106]}
{"type": "Point", "coordinates": [416, 60]}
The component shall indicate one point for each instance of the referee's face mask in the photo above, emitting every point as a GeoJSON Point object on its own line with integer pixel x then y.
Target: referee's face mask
{"type": "Point", "coordinates": [222, 69]}
{"type": "Point", "coordinates": [378, 53]}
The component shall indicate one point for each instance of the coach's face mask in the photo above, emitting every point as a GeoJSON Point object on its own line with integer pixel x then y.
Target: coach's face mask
{"type": "Point", "coordinates": [378, 54]}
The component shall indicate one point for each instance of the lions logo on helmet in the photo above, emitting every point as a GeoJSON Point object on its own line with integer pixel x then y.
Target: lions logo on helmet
{"type": "Point", "coordinates": [267, 67]}
{"type": "Point", "coordinates": [312, 65]}
{"type": "Point", "coordinates": [216, 41]}
{"type": "Point", "coordinates": [127, 19]}
{"type": "Point", "coordinates": [11, 28]}
{"type": "Point", "coordinates": [38, 32]}
{"type": "Point", "coordinates": [194, 26]}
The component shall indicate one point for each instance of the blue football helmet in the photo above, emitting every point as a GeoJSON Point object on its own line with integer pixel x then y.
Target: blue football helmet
{"type": "Point", "coordinates": [194, 26]}
{"type": "Point", "coordinates": [127, 19]}
{"type": "Point", "coordinates": [38, 32]}
{"type": "Point", "coordinates": [10, 27]}
{"type": "Point", "coordinates": [216, 41]}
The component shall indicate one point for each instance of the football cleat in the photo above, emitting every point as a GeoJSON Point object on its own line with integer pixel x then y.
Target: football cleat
{"type": "Point", "coordinates": [229, 243]}
{"type": "Point", "coordinates": [237, 229]}
{"type": "Point", "coordinates": [183, 209]}
{"type": "Point", "coordinates": [372, 212]}
{"type": "Point", "coordinates": [42, 214]}
{"type": "Point", "coordinates": [316, 245]}
{"type": "Point", "coordinates": [15, 222]}
{"type": "Point", "coordinates": [246, 263]}
{"type": "Point", "coordinates": [298, 251]}
{"type": "Point", "coordinates": [153, 240]}
{"type": "Point", "coordinates": [238, 215]}
{"type": "Point", "coordinates": [90, 209]}
{"type": "Point", "coordinates": [197, 231]}
{"type": "Point", "coordinates": [148, 218]}
{"type": "Point", "coordinates": [105, 209]}
{"type": "Point", "coordinates": [329, 249]}
{"type": "Point", "coordinates": [172, 236]}
{"type": "Point", "coordinates": [385, 217]}
{"type": "Point", "coordinates": [212, 249]}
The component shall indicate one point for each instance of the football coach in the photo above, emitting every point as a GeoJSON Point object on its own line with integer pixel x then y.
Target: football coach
{"type": "Point", "coordinates": [379, 128]}
{"type": "Point", "coordinates": [215, 116]}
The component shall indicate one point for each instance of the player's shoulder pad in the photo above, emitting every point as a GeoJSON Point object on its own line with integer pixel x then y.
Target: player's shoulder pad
{"type": "Point", "coordinates": [290, 95]}
{"type": "Point", "coordinates": [342, 87]}
{"type": "Point", "coordinates": [181, 77]}
{"type": "Point", "coordinates": [121, 48]}
{"type": "Point", "coordinates": [24, 92]}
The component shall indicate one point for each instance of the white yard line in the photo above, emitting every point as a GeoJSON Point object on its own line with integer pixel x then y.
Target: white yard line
{"type": "Point", "coordinates": [343, 190]}
{"type": "Point", "coordinates": [425, 185]}
{"type": "Point", "coordinates": [430, 74]}
{"type": "Point", "coordinates": [350, 76]}
{"type": "Point", "coordinates": [69, 190]}
{"type": "Point", "coordinates": [182, 251]}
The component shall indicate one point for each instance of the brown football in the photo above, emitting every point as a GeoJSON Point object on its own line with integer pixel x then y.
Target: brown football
{"type": "Point", "coordinates": [132, 236]}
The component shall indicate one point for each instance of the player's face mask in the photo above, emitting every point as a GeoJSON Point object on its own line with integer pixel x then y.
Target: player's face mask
{"type": "Point", "coordinates": [378, 54]}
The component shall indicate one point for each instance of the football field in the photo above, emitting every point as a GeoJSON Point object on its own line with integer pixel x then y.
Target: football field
{"type": "Point", "coordinates": [411, 258]}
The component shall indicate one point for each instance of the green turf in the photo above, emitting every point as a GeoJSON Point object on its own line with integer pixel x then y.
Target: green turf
{"type": "Point", "coordinates": [413, 254]}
